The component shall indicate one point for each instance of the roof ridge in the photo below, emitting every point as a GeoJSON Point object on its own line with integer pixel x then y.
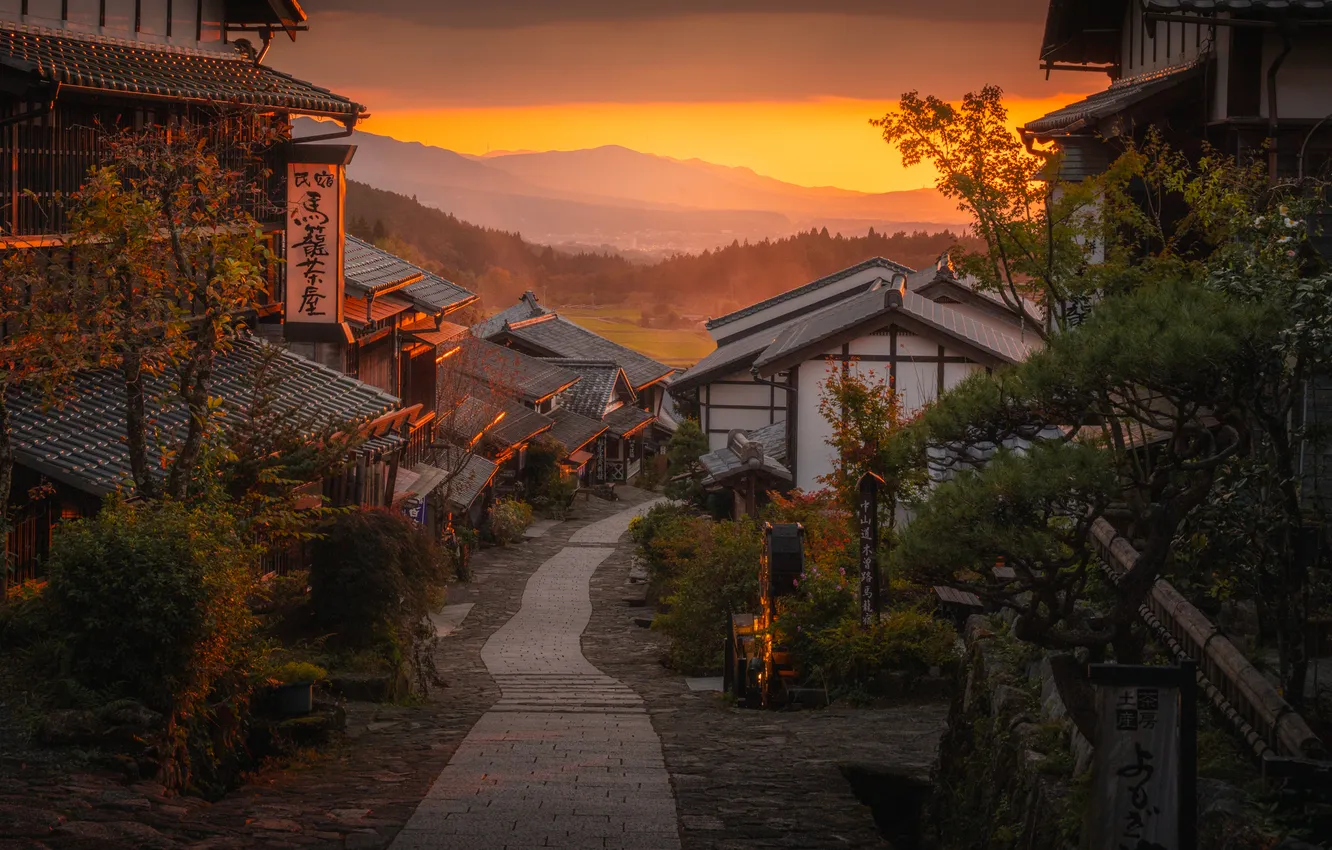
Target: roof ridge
{"type": "Point", "coordinates": [99, 38]}
{"type": "Point", "coordinates": [826, 280]}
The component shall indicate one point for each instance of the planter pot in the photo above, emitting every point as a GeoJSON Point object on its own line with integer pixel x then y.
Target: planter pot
{"type": "Point", "coordinates": [293, 700]}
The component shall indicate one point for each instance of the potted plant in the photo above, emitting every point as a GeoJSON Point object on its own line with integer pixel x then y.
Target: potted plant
{"type": "Point", "coordinates": [293, 687]}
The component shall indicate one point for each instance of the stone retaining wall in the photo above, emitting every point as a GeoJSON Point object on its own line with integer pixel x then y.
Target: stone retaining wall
{"type": "Point", "coordinates": [1009, 757]}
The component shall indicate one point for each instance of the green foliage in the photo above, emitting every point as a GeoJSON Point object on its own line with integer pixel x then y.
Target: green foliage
{"type": "Point", "coordinates": [1031, 510]}
{"type": "Point", "coordinates": [297, 673]}
{"type": "Point", "coordinates": [373, 573]}
{"type": "Point", "coordinates": [850, 655]}
{"type": "Point", "coordinates": [709, 571]}
{"type": "Point", "coordinates": [150, 602]}
{"type": "Point", "coordinates": [687, 445]}
{"type": "Point", "coordinates": [509, 519]}
{"type": "Point", "coordinates": [713, 281]}
{"type": "Point", "coordinates": [659, 522]}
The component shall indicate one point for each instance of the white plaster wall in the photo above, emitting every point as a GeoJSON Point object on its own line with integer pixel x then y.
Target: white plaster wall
{"type": "Point", "coordinates": [720, 421]}
{"type": "Point", "coordinates": [917, 385]}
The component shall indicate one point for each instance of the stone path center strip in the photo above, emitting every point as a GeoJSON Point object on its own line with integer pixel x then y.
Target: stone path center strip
{"type": "Point", "coordinates": [568, 756]}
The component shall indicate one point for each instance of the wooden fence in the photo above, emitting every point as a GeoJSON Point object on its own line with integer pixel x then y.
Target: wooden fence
{"type": "Point", "coordinates": [1248, 701]}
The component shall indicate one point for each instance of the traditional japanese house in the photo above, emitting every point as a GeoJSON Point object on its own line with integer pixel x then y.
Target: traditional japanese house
{"type": "Point", "coordinates": [749, 466]}
{"type": "Point", "coordinates": [728, 395]}
{"type": "Point", "coordinates": [72, 454]}
{"type": "Point", "coordinates": [1240, 74]}
{"type": "Point", "coordinates": [921, 332]}
{"type": "Point", "coordinates": [606, 395]}
{"type": "Point", "coordinates": [73, 70]}
{"type": "Point", "coordinates": [537, 330]}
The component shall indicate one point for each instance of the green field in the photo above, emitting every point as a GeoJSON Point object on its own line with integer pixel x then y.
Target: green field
{"type": "Point", "coordinates": [681, 348]}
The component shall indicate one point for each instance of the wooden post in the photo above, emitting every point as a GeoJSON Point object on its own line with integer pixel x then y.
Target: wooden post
{"type": "Point", "coordinates": [869, 548]}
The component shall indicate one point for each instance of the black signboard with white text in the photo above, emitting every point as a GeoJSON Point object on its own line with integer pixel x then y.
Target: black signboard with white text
{"type": "Point", "coordinates": [869, 547]}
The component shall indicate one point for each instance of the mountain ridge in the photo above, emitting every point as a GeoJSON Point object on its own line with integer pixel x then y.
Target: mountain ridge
{"type": "Point", "coordinates": [634, 201]}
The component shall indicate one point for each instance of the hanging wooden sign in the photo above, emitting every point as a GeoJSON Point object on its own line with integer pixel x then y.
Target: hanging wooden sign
{"type": "Point", "coordinates": [315, 220]}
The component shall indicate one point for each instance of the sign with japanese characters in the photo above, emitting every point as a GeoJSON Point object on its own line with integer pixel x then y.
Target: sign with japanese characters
{"type": "Point", "coordinates": [1136, 778]}
{"type": "Point", "coordinates": [314, 243]}
{"type": "Point", "coordinates": [869, 547]}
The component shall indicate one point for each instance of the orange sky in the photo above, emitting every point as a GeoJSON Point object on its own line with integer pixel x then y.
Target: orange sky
{"type": "Point", "coordinates": [785, 87]}
{"type": "Point", "coordinates": [823, 142]}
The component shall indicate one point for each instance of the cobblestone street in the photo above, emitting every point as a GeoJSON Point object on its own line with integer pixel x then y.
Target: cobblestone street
{"type": "Point", "coordinates": [560, 735]}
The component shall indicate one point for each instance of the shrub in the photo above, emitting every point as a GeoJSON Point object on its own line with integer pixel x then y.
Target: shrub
{"type": "Point", "coordinates": [849, 655]}
{"type": "Point", "coordinates": [710, 571]}
{"type": "Point", "coordinates": [150, 604]}
{"type": "Point", "coordinates": [297, 673]}
{"type": "Point", "coordinates": [372, 572]}
{"type": "Point", "coordinates": [556, 495]}
{"type": "Point", "coordinates": [661, 520]}
{"type": "Point", "coordinates": [509, 519]}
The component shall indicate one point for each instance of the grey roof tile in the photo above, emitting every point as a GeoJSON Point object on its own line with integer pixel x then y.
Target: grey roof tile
{"type": "Point", "coordinates": [806, 335]}
{"type": "Point", "coordinates": [627, 420]}
{"type": "Point", "coordinates": [573, 430]}
{"type": "Point", "coordinates": [1207, 6]}
{"type": "Point", "coordinates": [81, 442]}
{"type": "Point", "coordinates": [813, 286]}
{"type": "Point", "coordinates": [468, 475]}
{"type": "Point", "coordinates": [499, 367]}
{"type": "Point", "coordinates": [557, 337]}
{"type": "Point", "coordinates": [1084, 114]}
{"type": "Point", "coordinates": [596, 387]}
{"type": "Point", "coordinates": [369, 269]}
{"type": "Point", "coordinates": [727, 359]}
{"type": "Point", "coordinates": [520, 423]}
{"type": "Point", "coordinates": [118, 66]}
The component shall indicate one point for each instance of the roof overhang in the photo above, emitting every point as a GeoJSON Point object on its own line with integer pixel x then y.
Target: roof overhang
{"type": "Point", "coordinates": [1083, 34]}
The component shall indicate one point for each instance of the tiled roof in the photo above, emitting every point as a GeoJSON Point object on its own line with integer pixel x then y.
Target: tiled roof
{"type": "Point", "coordinates": [82, 443]}
{"type": "Point", "coordinates": [772, 438]}
{"type": "Point", "coordinates": [520, 423]}
{"type": "Point", "coordinates": [560, 337]}
{"type": "Point", "coordinates": [573, 430]}
{"type": "Point", "coordinates": [1206, 6]}
{"type": "Point", "coordinates": [595, 389]}
{"type": "Point", "coordinates": [470, 418]}
{"type": "Point", "coordinates": [1123, 94]}
{"type": "Point", "coordinates": [383, 307]}
{"type": "Point", "coordinates": [627, 420]}
{"type": "Point", "coordinates": [526, 308]}
{"type": "Point", "coordinates": [427, 332]}
{"type": "Point", "coordinates": [116, 66]}
{"type": "Point", "coordinates": [811, 335]}
{"type": "Point", "coordinates": [873, 262]}
{"type": "Point", "coordinates": [501, 368]}
{"type": "Point", "coordinates": [727, 359]}
{"type": "Point", "coordinates": [721, 465]}
{"type": "Point", "coordinates": [557, 337]}
{"type": "Point", "coordinates": [369, 269]}
{"type": "Point", "coordinates": [468, 475]}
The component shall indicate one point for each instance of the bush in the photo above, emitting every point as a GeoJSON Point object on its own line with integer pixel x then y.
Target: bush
{"type": "Point", "coordinates": [709, 571]}
{"type": "Point", "coordinates": [509, 519]}
{"type": "Point", "coordinates": [372, 572]}
{"type": "Point", "coordinates": [149, 603]}
{"type": "Point", "coordinates": [848, 655]}
{"type": "Point", "coordinates": [556, 494]}
{"type": "Point", "coordinates": [297, 673]}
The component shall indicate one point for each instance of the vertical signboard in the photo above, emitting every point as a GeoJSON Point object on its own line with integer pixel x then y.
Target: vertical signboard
{"type": "Point", "coordinates": [316, 185]}
{"type": "Point", "coordinates": [869, 548]}
{"type": "Point", "coordinates": [1142, 782]}
{"type": "Point", "coordinates": [601, 459]}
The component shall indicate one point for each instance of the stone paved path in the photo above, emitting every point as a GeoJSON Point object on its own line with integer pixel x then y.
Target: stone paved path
{"type": "Point", "coordinates": [568, 756]}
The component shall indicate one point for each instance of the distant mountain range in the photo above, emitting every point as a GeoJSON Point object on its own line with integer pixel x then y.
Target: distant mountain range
{"type": "Point", "coordinates": [641, 203]}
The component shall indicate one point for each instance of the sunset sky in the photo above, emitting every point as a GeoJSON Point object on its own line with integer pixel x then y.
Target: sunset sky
{"type": "Point", "coordinates": [782, 86]}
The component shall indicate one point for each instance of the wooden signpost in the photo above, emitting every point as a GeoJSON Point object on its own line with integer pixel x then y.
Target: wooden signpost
{"type": "Point", "coordinates": [1144, 778]}
{"type": "Point", "coordinates": [869, 548]}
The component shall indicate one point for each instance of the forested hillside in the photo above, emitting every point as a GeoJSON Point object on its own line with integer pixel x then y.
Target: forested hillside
{"type": "Point", "coordinates": [499, 265]}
